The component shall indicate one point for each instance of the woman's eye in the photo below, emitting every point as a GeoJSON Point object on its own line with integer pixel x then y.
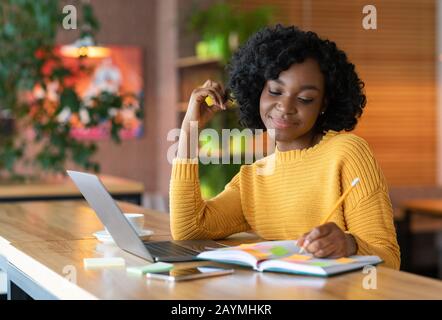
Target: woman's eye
{"type": "Point", "coordinates": [274, 93]}
{"type": "Point", "coordinates": [305, 100]}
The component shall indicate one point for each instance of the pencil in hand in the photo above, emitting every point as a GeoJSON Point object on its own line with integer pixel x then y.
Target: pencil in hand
{"type": "Point", "coordinates": [337, 204]}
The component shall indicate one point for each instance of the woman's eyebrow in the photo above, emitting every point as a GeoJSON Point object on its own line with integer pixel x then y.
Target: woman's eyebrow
{"type": "Point", "coordinates": [309, 87]}
{"type": "Point", "coordinates": [303, 87]}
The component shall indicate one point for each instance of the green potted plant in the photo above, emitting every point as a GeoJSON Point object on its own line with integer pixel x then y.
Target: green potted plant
{"type": "Point", "coordinates": [222, 29]}
{"type": "Point", "coordinates": [36, 89]}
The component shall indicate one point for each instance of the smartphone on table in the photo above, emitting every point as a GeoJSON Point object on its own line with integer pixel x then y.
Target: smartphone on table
{"type": "Point", "coordinates": [190, 273]}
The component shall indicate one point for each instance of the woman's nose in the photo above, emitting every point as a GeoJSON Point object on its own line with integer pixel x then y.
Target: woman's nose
{"type": "Point", "coordinates": [286, 106]}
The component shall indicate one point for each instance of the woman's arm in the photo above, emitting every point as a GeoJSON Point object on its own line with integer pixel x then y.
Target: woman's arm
{"type": "Point", "coordinates": [367, 215]}
{"type": "Point", "coordinates": [197, 115]}
{"type": "Point", "coordinates": [191, 216]}
{"type": "Point", "coordinates": [194, 218]}
{"type": "Point", "coordinates": [368, 211]}
{"type": "Point", "coordinates": [371, 224]}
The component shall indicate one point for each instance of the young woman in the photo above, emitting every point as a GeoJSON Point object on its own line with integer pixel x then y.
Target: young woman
{"type": "Point", "coordinates": [305, 90]}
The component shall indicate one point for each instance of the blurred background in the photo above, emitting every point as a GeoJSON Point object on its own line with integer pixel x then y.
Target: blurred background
{"type": "Point", "coordinates": [103, 96]}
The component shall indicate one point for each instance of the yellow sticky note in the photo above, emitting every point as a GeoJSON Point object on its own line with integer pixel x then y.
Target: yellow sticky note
{"type": "Point", "coordinates": [248, 245]}
{"type": "Point", "coordinates": [103, 262]}
{"type": "Point", "coordinates": [297, 257]}
{"type": "Point", "coordinates": [345, 260]}
{"type": "Point", "coordinates": [209, 101]}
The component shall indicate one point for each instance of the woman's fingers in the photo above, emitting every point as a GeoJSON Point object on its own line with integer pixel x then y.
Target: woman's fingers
{"type": "Point", "coordinates": [216, 85]}
{"type": "Point", "coordinates": [327, 240]}
{"type": "Point", "coordinates": [202, 93]}
{"type": "Point", "coordinates": [322, 247]}
{"type": "Point", "coordinates": [325, 250]}
{"type": "Point", "coordinates": [318, 244]}
{"type": "Point", "coordinates": [314, 240]}
{"type": "Point", "coordinates": [218, 90]}
{"type": "Point", "coordinates": [318, 232]}
{"type": "Point", "coordinates": [219, 99]}
{"type": "Point", "coordinates": [301, 240]}
{"type": "Point", "coordinates": [219, 87]}
{"type": "Point", "coordinates": [201, 110]}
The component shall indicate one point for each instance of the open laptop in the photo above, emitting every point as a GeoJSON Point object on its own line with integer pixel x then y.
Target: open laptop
{"type": "Point", "coordinates": [125, 235]}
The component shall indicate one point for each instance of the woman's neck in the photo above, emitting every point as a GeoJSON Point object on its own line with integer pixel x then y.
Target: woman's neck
{"type": "Point", "coordinates": [308, 140]}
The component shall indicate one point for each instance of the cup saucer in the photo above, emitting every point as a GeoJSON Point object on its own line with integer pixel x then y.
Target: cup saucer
{"type": "Point", "coordinates": [104, 236]}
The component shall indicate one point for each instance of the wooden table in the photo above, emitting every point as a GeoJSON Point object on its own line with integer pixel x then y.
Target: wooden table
{"type": "Point", "coordinates": [64, 189]}
{"type": "Point", "coordinates": [426, 207]}
{"type": "Point", "coordinates": [44, 244]}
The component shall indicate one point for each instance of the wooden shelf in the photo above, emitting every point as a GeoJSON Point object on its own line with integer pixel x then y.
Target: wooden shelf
{"type": "Point", "coordinates": [192, 73]}
{"type": "Point", "coordinates": [187, 62]}
{"type": "Point", "coordinates": [182, 106]}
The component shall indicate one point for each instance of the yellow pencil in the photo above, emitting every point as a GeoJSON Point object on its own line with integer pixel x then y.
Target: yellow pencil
{"type": "Point", "coordinates": [337, 204]}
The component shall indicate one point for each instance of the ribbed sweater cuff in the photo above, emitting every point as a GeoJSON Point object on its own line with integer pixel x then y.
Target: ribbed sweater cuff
{"type": "Point", "coordinates": [184, 169]}
{"type": "Point", "coordinates": [363, 247]}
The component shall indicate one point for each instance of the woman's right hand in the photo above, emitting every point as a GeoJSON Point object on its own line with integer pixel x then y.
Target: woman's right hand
{"type": "Point", "coordinates": [198, 110]}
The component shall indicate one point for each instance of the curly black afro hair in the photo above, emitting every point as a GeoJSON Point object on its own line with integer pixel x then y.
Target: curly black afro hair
{"type": "Point", "coordinates": [274, 49]}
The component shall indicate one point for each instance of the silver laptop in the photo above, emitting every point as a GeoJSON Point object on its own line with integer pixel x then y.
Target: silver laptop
{"type": "Point", "coordinates": [125, 235]}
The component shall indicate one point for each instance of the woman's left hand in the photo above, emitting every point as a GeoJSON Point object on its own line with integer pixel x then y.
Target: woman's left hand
{"type": "Point", "coordinates": [328, 240]}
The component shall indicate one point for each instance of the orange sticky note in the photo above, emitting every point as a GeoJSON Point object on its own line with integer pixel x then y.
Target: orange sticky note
{"type": "Point", "coordinates": [297, 257]}
{"type": "Point", "coordinates": [344, 260]}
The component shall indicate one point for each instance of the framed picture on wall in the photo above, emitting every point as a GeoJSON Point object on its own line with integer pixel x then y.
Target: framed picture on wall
{"type": "Point", "coordinates": [118, 71]}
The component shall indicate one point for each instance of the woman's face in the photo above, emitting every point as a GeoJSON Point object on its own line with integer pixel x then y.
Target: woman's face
{"type": "Point", "coordinates": [291, 104]}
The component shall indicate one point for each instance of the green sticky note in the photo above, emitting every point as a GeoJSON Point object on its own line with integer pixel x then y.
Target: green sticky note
{"type": "Point", "coordinates": [154, 267]}
{"type": "Point", "coordinates": [320, 264]}
{"type": "Point", "coordinates": [279, 251]}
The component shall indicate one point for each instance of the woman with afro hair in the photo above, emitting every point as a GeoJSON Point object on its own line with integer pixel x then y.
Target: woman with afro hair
{"type": "Point", "coordinates": [307, 94]}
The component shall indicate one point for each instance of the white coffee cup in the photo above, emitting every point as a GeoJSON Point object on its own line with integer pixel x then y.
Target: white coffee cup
{"type": "Point", "coordinates": [135, 219]}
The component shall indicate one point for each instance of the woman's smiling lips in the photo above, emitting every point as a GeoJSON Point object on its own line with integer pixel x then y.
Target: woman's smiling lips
{"type": "Point", "coordinates": [280, 123]}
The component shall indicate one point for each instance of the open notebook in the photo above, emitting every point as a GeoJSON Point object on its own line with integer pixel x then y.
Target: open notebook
{"type": "Point", "coordinates": [283, 256]}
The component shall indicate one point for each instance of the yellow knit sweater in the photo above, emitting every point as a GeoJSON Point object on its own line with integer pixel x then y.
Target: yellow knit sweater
{"type": "Point", "coordinates": [287, 194]}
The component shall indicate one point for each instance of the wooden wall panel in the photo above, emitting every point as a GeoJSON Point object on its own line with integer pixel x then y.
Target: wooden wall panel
{"type": "Point", "coordinates": [397, 63]}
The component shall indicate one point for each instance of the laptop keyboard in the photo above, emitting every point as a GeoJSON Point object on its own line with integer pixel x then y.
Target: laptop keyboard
{"type": "Point", "coordinates": [167, 248]}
